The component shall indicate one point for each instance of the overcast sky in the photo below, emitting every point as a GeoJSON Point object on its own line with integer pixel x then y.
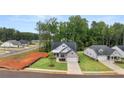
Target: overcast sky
{"type": "Point", "coordinates": [26, 23]}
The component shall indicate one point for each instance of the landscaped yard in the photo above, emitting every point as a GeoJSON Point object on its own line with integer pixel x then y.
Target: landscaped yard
{"type": "Point", "coordinates": [120, 64]}
{"type": "Point", "coordinates": [44, 63]}
{"type": "Point", "coordinates": [88, 64]}
{"type": "Point", "coordinates": [2, 51]}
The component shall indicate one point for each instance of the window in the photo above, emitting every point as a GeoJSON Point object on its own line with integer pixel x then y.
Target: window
{"type": "Point", "coordinates": [62, 59]}
{"type": "Point", "coordinates": [100, 51]}
{"type": "Point", "coordinates": [57, 54]}
{"type": "Point", "coordinates": [62, 55]}
{"type": "Point", "coordinates": [108, 57]}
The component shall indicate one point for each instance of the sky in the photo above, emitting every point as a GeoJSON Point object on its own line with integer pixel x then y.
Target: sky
{"type": "Point", "coordinates": [27, 23]}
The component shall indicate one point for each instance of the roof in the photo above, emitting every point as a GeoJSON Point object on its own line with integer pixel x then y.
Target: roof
{"type": "Point", "coordinates": [70, 44]}
{"type": "Point", "coordinates": [121, 47]}
{"type": "Point", "coordinates": [102, 49]}
{"type": "Point", "coordinates": [63, 48]}
{"type": "Point", "coordinates": [14, 42]}
{"type": "Point", "coordinates": [24, 41]}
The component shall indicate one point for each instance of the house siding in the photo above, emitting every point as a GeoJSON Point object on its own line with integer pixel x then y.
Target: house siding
{"type": "Point", "coordinates": [91, 53]}
{"type": "Point", "coordinates": [72, 56]}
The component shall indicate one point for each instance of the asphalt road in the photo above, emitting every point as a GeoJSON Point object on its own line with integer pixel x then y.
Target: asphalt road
{"type": "Point", "coordinates": [21, 74]}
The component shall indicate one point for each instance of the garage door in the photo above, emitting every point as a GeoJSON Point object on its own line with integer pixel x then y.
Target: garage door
{"type": "Point", "coordinates": [72, 59]}
{"type": "Point", "coordinates": [102, 58]}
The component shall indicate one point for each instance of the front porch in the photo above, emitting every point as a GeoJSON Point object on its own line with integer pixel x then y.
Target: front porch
{"type": "Point", "coordinates": [114, 58]}
{"type": "Point", "coordinates": [60, 57]}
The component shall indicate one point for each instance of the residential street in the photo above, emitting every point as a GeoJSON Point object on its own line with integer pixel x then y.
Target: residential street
{"type": "Point", "coordinates": [17, 52]}
{"type": "Point", "coordinates": [21, 74]}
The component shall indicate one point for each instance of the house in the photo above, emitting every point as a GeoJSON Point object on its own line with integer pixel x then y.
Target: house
{"type": "Point", "coordinates": [11, 44]}
{"type": "Point", "coordinates": [24, 43]}
{"type": "Point", "coordinates": [102, 52]}
{"type": "Point", "coordinates": [120, 49]}
{"type": "Point", "coordinates": [65, 51]}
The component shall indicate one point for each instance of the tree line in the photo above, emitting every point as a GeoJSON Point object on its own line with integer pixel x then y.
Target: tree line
{"type": "Point", "coordinates": [77, 29]}
{"type": "Point", "coordinates": [12, 34]}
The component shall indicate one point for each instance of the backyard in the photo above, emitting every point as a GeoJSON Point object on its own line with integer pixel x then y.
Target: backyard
{"type": "Point", "coordinates": [44, 63]}
{"type": "Point", "coordinates": [88, 64]}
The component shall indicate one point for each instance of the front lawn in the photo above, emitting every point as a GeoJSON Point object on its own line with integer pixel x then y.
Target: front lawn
{"type": "Point", "coordinates": [88, 64]}
{"type": "Point", "coordinates": [120, 64]}
{"type": "Point", "coordinates": [44, 63]}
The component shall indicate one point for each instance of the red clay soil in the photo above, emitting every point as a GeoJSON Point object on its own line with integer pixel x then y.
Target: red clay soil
{"type": "Point", "coordinates": [18, 64]}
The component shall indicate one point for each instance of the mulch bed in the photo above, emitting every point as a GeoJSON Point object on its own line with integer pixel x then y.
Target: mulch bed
{"type": "Point", "coordinates": [18, 64]}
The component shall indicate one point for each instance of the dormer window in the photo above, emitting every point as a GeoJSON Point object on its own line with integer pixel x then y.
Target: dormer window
{"type": "Point", "coordinates": [100, 51]}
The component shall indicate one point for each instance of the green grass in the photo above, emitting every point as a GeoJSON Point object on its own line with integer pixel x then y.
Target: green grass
{"type": "Point", "coordinates": [120, 64]}
{"type": "Point", "coordinates": [88, 64]}
{"type": "Point", "coordinates": [22, 55]}
{"type": "Point", "coordinates": [44, 63]}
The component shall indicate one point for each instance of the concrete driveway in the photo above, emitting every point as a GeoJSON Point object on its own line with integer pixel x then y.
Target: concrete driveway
{"type": "Point", "coordinates": [73, 68]}
{"type": "Point", "coordinates": [113, 66]}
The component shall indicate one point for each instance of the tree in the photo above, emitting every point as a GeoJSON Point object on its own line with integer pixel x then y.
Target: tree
{"type": "Point", "coordinates": [12, 34]}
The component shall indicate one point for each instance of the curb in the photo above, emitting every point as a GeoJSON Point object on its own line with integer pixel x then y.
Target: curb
{"type": "Point", "coordinates": [44, 71]}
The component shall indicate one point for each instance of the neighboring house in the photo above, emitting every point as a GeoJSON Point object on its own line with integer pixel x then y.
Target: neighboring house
{"type": "Point", "coordinates": [11, 44]}
{"type": "Point", "coordinates": [65, 51]}
{"type": "Point", "coordinates": [102, 52]}
{"type": "Point", "coordinates": [24, 43]}
{"type": "Point", "coordinates": [120, 49]}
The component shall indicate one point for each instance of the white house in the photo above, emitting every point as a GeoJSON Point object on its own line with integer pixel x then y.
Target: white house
{"type": "Point", "coordinates": [102, 52]}
{"type": "Point", "coordinates": [120, 49]}
{"type": "Point", "coordinates": [11, 44]}
{"type": "Point", "coordinates": [65, 51]}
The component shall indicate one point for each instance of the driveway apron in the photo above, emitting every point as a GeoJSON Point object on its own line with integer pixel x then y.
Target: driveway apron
{"type": "Point", "coordinates": [113, 66]}
{"type": "Point", "coordinates": [73, 68]}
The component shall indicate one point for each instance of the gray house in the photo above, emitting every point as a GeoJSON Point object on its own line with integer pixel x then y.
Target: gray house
{"type": "Point", "coordinates": [102, 52]}
{"type": "Point", "coordinates": [65, 51]}
{"type": "Point", "coordinates": [24, 43]}
{"type": "Point", "coordinates": [12, 44]}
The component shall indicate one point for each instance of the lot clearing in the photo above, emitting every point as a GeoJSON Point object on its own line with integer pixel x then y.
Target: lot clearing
{"type": "Point", "coordinates": [20, 61]}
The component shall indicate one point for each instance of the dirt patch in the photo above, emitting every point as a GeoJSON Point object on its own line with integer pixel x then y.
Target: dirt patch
{"type": "Point", "coordinates": [20, 63]}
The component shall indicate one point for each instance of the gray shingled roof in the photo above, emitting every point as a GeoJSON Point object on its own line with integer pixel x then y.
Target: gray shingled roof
{"type": "Point", "coordinates": [14, 42]}
{"type": "Point", "coordinates": [24, 41]}
{"type": "Point", "coordinates": [71, 44]}
{"type": "Point", "coordinates": [121, 47]}
{"type": "Point", "coordinates": [102, 49]}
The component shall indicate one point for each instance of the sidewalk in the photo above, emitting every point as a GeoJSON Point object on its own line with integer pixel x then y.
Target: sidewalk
{"type": "Point", "coordinates": [73, 68]}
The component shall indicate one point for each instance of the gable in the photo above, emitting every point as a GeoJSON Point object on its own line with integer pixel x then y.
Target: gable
{"type": "Point", "coordinates": [70, 44]}
{"type": "Point", "coordinates": [72, 54]}
{"type": "Point", "coordinates": [60, 48]}
{"type": "Point", "coordinates": [115, 53]}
